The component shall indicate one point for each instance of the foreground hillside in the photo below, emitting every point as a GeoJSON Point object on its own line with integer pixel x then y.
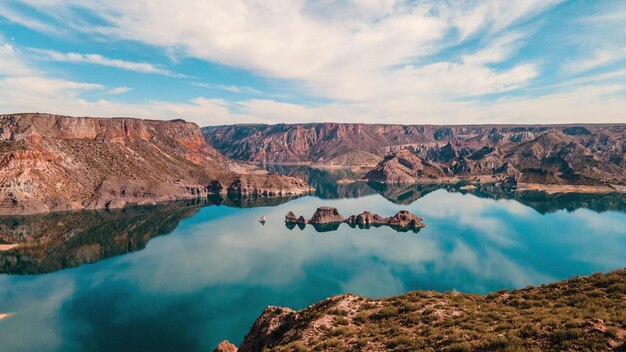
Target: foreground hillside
{"type": "Point", "coordinates": [50, 162]}
{"type": "Point", "coordinates": [548, 155]}
{"type": "Point", "coordinates": [582, 314]}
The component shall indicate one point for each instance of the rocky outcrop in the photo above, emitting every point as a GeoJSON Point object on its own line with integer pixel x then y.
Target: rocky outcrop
{"type": "Point", "coordinates": [366, 219]}
{"type": "Point", "coordinates": [548, 154]}
{"type": "Point", "coordinates": [402, 221]}
{"type": "Point", "coordinates": [273, 322]}
{"type": "Point", "coordinates": [405, 219]}
{"type": "Point", "coordinates": [291, 217]}
{"type": "Point", "coordinates": [432, 321]}
{"type": "Point", "coordinates": [53, 163]}
{"type": "Point", "coordinates": [225, 346]}
{"type": "Point", "coordinates": [404, 167]}
{"type": "Point", "coordinates": [553, 158]}
{"type": "Point", "coordinates": [326, 215]}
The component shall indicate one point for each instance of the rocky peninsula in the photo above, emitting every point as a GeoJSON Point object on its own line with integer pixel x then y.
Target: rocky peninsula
{"type": "Point", "coordinates": [584, 313]}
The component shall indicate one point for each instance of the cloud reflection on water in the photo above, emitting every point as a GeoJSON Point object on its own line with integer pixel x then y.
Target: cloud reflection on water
{"type": "Point", "coordinates": [215, 272]}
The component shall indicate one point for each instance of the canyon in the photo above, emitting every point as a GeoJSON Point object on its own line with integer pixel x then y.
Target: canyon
{"type": "Point", "coordinates": [587, 157]}
{"type": "Point", "coordinates": [58, 163]}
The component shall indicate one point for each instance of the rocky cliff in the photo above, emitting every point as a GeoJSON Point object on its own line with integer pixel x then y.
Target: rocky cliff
{"type": "Point", "coordinates": [550, 154]}
{"type": "Point", "coordinates": [50, 162]}
{"type": "Point", "coordinates": [584, 313]}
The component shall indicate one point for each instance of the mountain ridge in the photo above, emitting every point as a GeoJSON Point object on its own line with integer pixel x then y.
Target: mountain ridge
{"type": "Point", "coordinates": [589, 154]}
{"type": "Point", "coordinates": [53, 163]}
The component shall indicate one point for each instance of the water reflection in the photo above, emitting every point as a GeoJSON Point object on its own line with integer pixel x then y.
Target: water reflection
{"type": "Point", "coordinates": [330, 227]}
{"type": "Point", "coordinates": [328, 182]}
{"type": "Point", "coordinates": [216, 270]}
{"type": "Point", "coordinates": [540, 201]}
{"type": "Point", "coordinates": [55, 241]}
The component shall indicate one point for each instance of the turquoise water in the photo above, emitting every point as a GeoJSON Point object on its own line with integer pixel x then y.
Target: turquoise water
{"type": "Point", "coordinates": [206, 277]}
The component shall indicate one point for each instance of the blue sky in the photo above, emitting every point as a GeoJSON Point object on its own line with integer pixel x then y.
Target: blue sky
{"type": "Point", "coordinates": [222, 62]}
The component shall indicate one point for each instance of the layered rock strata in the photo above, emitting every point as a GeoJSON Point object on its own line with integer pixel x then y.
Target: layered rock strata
{"type": "Point", "coordinates": [55, 163]}
{"type": "Point", "coordinates": [578, 155]}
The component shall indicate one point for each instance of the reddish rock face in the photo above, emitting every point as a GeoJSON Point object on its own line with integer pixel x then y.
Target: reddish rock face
{"type": "Point", "coordinates": [326, 215]}
{"type": "Point", "coordinates": [50, 162]}
{"type": "Point", "coordinates": [404, 167]}
{"type": "Point", "coordinates": [366, 219]}
{"type": "Point", "coordinates": [405, 219]}
{"type": "Point", "coordinates": [225, 346]}
{"type": "Point", "coordinates": [550, 154]}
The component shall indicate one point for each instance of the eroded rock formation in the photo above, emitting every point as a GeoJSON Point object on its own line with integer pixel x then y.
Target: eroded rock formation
{"type": "Point", "coordinates": [403, 220]}
{"type": "Point", "coordinates": [326, 215]}
{"type": "Point", "coordinates": [52, 163]}
{"type": "Point", "coordinates": [549, 154]}
{"type": "Point", "coordinates": [225, 346]}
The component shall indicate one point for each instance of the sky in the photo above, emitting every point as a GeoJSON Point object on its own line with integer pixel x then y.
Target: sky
{"type": "Point", "coordinates": [288, 61]}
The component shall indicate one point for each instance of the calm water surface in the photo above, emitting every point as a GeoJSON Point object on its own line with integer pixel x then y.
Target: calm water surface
{"type": "Point", "coordinates": [213, 269]}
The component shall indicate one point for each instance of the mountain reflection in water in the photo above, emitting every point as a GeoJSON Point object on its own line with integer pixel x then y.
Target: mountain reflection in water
{"type": "Point", "coordinates": [217, 267]}
{"type": "Point", "coordinates": [55, 241]}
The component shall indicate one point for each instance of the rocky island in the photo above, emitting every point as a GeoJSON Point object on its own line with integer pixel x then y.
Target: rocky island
{"type": "Point", "coordinates": [402, 221]}
{"type": "Point", "coordinates": [55, 163]}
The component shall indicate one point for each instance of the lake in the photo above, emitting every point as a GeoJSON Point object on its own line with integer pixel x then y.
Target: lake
{"type": "Point", "coordinates": [186, 275]}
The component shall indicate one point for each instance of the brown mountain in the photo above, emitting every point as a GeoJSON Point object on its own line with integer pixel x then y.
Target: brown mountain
{"type": "Point", "coordinates": [542, 154]}
{"type": "Point", "coordinates": [50, 162]}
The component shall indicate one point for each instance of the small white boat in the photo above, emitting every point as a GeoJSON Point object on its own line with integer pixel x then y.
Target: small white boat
{"type": "Point", "coordinates": [262, 219]}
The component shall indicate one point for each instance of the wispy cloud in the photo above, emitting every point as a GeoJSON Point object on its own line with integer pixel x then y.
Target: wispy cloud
{"type": "Point", "coordinates": [390, 61]}
{"type": "Point", "coordinates": [229, 88]}
{"type": "Point", "coordinates": [96, 59]}
{"type": "Point", "coordinates": [119, 90]}
{"type": "Point", "coordinates": [599, 58]}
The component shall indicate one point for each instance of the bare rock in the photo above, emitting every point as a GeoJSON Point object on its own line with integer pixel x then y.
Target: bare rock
{"type": "Point", "coordinates": [225, 346]}
{"type": "Point", "coordinates": [291, 217]}
{"type": "Point", "coordinates": [404, 166]}
{"type": "Point", "coordinates": [272, 323]}
{"type": "Point", "coordinates": [326, 215]}
{"type": "Point", "coordinates": [366, 218]}
{"type": "Point", "coordinates": [405, 219]}
{"type": "Point", "coordinates": [538, 154]}
{"type": "Point", "coordinates": [57, 163]}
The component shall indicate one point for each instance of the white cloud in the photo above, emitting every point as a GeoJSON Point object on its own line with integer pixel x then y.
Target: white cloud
{"type": "Point", "coordinates": [371, 61]}
{"type": "Point", "coordinates": [320, 45]}
{"type": "Point", "coordinates": [599, 58]}
{"type": "Point", "coordinates": [10, 62]}
{"type": "Point", "coordinates": [96, 59]}
{"type": "Point", "coordinates": [229, 88]}
{"type": "Point", "coordinates": [119, 90]}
